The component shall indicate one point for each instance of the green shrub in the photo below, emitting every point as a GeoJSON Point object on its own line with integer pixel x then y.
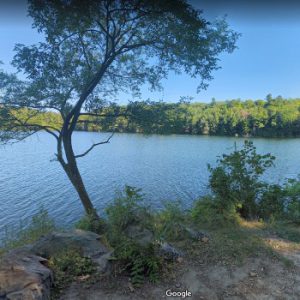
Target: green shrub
{"type": "Point", "coordinates": [211, 212]}
{"type": "Point", "coordinates": [235, 180]}
{"type": "Point", "coordinates": [293, 211]}
{"type": "Point", "coordinates": [29, 230]}
{"type": "Point", "coordinates": [129, 209]}
{"type": "Point", "coordinates": [67, 266]}
{"type": "Point", "coordinates": [292, 200]}
{"type": "Point", "coordinates": [169, 222]}
{"type": "Point", "coordinates": [281, 202]}
{"type": "Point", "coordinates": [89, 223]}
{"type": "Point", "coordinates": [271, 206]}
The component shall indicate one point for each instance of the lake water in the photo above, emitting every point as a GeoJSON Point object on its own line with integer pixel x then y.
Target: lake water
{"type": "Point", "coordinates": [165, 167]}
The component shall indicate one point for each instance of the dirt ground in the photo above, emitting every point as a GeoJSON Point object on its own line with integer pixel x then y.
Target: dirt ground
{"type": "Point", "coordinates": [259, 277]}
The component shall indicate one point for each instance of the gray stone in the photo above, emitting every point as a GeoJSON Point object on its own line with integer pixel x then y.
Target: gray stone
{"type": "Point", "coordinates": [142, 236]}
{"type": "Point", "coordinates": [169, 252]}
{"type": "Point", "coordinates": [103, 263]}
{"type": "Point", "coordinates": [23, 271]}
{"type": "Point", "coordinates": [24, 276]}
{"type": "Point", "coordinates": [87, 243]}
{"type": "Point", "coordinates": [196, 235]}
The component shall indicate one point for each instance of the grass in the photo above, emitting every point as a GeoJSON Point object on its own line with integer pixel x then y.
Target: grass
{"type": "Point", "coordinates": [67, 267]}
{"type": "Point", "coordinates": [228, 246]}
{"type": "Point", "coordinates": [286, 231]}
{"type": "Point", "coordinates": [29, 231]}
{"type": "Point", "coordinates": [232, 245]}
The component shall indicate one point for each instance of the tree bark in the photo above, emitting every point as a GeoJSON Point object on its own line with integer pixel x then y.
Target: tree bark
{"type": "Point", "coordinates": [73, 174]}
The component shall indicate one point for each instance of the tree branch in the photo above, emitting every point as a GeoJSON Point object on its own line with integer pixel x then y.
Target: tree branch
{"type": "Point", "coordinates": [40, 127]}
{"type": "Point", "coordinates": [103, 115]}
{"type": "Point", "coordinates": [84, 52]}
{"type": "Point", "coordinates": [93, 146]}
{"type": "Point", "coordinates": [48, 129]}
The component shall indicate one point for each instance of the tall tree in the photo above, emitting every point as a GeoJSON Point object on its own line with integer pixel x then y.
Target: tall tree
{"type": "Point", "coordinates": [92, 51]}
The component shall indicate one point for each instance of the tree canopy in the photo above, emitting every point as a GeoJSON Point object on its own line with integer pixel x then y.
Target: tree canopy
{"type": "Point", "coordinates": [275, 117]}
{"type": "Point", "coordinates": [93, 50]}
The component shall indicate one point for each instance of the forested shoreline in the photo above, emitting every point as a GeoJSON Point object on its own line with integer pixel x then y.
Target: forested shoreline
{"type": "Point", "coordinates": [276, 117]}
{"type": "Point", "coordinates": [273, 117]}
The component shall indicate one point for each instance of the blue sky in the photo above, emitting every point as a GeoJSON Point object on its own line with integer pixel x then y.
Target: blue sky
{"type": "Point", "coordinates": [267, 59]}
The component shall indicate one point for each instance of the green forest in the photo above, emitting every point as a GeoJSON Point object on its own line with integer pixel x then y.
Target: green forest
{"type": "Point", "coordinates": [273, 117]}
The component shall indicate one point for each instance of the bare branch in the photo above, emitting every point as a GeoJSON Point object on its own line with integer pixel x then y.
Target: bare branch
{"type": "Point", "coordinates": [17, 140]}
{"type": "Point", "coordinates": [93, 146]}
{"type": "Point", "coordinates": [84, 51]}
{"type": "Point", "coordinates": [76, 33]}
{"type": "Point", "coordinates": [37, 127]}
{"type": "Point", "coordinates": [104, 115]}
{"type": "Point", "coordinates": [48, 129]}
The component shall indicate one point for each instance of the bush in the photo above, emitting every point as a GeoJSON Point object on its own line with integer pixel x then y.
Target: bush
{"type": "Point", "coordinates": [169, 222]}
{"type": "Point", "coordinates": [67, 266]}
{"type": "Point", "coordinates": [271, 206]}
{"type": "Point", "coordinates": [89, 223]}
{"type": "Point", "coordinates": [211, 212]}
{"type": "Point", "coordinates": [235, 181]}
{"type": "Point", "coordinates": [281, 202]}
{"type": "Point", "coordinates": [129, 209]}
{"type": "Point", "coordinates": [292, 200]}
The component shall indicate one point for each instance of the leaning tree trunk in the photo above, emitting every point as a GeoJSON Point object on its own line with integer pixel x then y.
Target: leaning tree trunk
{"type": "Point", "coordinates": [73, 174]}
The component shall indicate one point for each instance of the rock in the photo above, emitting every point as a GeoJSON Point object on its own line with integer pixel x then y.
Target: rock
{"type": "Point", "coordinates": [180, 260]}
{"type": "Point", "coordinates": [103, 263]}
{"type": "Point", "coordinates": [83, 277]}
{"type": "Point", "coordinates": [87, 243]}
{"type": "Point", "coordinates": [23, 271]}
{"type": "Point", "coordinates": [196, 235]}
{"type": "Point", "coordinates": [131, 288]}
{"type": "Point", "coordinates": [204, 239]}
{"type": "Point", "coordinates": [169, 252]}
{"type": "Point", "coordinates": [24, 276]}
{"type": "Point", "coordinates": [253, 274]}
{"type": "Point", "coordinates": [142, 236]}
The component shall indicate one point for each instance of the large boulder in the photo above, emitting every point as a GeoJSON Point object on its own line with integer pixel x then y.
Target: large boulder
{"type": "Point", "coordinates": [24, 276]}
{"type": "Point", "coordinates": [87, 243]}
{"type": "Point", "coordinates": [23, 271]}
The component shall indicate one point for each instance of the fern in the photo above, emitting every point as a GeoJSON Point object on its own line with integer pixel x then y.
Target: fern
{"type": "Point", "coordinates": [153, 269]}
{"type": "Point", "coordinates": [137, 272]}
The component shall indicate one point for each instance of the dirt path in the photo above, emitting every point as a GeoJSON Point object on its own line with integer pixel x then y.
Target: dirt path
{"type": "Point", "coordinates": [258, 278]}
{"type": "Point", "coordinates": [264, 275]}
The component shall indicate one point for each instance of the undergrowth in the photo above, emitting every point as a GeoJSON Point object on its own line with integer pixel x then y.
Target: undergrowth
{"type": "Point", "coordinates": [29, 230]}
{"type": "Point", "coordinates": [67, 266]}
{"type": "Point", "coordinates": [129, 212]}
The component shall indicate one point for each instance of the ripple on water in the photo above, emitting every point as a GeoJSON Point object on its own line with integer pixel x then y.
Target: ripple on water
{"type": "Point", "coordinates": [166, 167]}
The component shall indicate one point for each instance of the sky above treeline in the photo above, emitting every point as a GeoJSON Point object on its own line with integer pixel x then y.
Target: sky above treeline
{"type": "Point", "coordinates": [267, 59]}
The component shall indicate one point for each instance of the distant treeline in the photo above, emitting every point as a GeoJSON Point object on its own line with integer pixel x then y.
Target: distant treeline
{"type": "Point", "coordinates": [276, 117]}
{"type": "Point", "coordinates": [273, 117]}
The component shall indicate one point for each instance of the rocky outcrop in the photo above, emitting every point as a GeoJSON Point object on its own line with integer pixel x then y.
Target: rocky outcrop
{"type": "Point", "coordinates": [24, 274]}
{"type": "Point", "coordinates": [87, 243]}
